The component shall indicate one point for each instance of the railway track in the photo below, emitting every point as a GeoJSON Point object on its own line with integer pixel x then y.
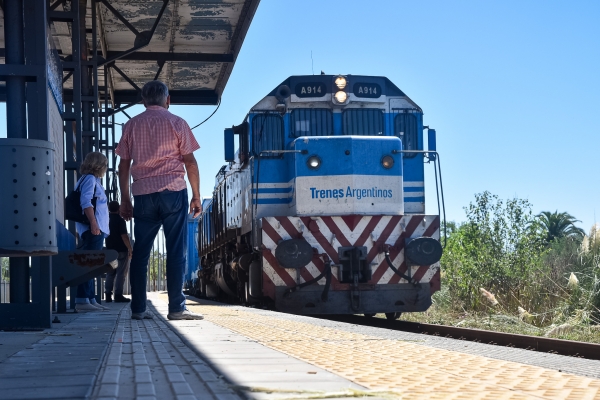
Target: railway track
{"type": "Point", "coordinates": [590, 351]}
{"type": "Point", "coordinates": [571, 348]}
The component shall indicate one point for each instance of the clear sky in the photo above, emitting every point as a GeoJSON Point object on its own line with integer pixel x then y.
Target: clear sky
{"type": "Point", "coordinates": [512, 87]}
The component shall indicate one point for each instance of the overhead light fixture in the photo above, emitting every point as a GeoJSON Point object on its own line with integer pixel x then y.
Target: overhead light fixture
{"type": "Point", "coordinates": [340, 82]}
{"type": "Point", "coordinates": [341, 96]}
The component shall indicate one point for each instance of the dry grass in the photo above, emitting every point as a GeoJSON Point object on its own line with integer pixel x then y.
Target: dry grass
{"type": "Point", "coordinates": [498, 322]}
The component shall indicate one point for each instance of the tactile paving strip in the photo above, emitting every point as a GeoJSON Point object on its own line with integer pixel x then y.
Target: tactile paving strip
{"type": "Point", "coordinates": [407, 369]}
{"type": "Point", "coordinates": [148, 361]}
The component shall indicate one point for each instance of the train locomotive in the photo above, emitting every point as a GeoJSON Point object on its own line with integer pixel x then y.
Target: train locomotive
{"type": "Point", "coordinates": [321, 210]}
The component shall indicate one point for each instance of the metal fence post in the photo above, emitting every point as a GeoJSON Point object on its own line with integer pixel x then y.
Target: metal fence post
{"type": "Point", "coordinates": [164, 276]}
{"type": "Point", "coordinates": [160, 264]}
{"type": "Point", "coordinates": [148, 287]}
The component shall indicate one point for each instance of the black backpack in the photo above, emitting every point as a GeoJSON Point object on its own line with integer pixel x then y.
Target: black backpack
{"type": "Point", "coordinates": [73, 211]}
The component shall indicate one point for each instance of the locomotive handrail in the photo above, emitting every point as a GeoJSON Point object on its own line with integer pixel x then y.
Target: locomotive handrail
{"type": "Point", "coordinates": [436, 157]}
{"type": "Point", "coordinates": [283, 151]}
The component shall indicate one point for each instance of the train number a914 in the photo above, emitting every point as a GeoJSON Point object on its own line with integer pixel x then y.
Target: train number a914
{"type": "Point", "coordinates": [310, 89]}
{"type": "Point", "coordinates": [370, 90]}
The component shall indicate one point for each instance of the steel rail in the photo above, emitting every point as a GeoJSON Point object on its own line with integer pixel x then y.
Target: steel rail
{"type": "Point", "coordinates": [571, 348]}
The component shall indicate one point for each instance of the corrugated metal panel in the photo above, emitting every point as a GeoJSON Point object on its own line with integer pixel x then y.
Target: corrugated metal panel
{"type": "Point", "coordinates": [405, 127]}
{"type": "Point", "coordinates": [198, 41]}
{"type": "Point", "coordinates": [311, 122]}
{"type": "Point", "coordinates": [365, 122]}
{"type": "Point", "coordinates": [267, 133]}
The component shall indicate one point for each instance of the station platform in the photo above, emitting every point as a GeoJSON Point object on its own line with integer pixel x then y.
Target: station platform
{"type": "Point", "coordinates": [238, 353]}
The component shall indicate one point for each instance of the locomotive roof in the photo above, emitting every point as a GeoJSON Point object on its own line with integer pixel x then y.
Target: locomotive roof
{"type": "Point", "coordinates": [387, 87]}
{"type": "Point", "coordinates": [391, 89]}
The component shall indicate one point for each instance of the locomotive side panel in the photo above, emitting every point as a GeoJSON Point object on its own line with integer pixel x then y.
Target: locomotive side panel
{"type": "Point", "coordinates": [233, 183]}
{"type": "Point", "coordinates": [246, 200]}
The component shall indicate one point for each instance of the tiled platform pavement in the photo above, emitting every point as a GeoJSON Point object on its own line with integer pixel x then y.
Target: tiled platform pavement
{"type": "Point", "coordinates": [146, 360]}
{"type": "Point", "coordinates": [106, 355]}
{"type": "Point", "coordinates": [400, 368]}
{"type": "Point", "coordinates": [238, 353]}
{"type": "Point", "coordinates": [251, 368]}
{"type": "Point", "coordinates": [58, 363]}
{"type": "Point", "coordinates": [158, 359]}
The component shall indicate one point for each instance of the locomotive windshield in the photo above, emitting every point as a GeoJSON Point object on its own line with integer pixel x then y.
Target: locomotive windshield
{"type": "Point", "coordinates": [311, 122]}
{"type": "Point", "coordinates": [405, 127]}
{"type": "Point", "coordinates": [267, 133]}
{"type": "Point", "coordinates": [365, 122]}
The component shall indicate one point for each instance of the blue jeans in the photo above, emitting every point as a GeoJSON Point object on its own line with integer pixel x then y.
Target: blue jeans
{"type": "Point", "coordinates": [88, 242]}
{"type": "Point", "coordinates": [150, 211]}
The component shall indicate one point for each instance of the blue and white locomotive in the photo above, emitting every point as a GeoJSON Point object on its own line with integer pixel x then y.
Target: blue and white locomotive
{"type": "Point", "coordinates": [321, 210]}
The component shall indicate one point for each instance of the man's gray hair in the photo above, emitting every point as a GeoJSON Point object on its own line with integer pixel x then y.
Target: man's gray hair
{"type": "Point", "coordinates": [154, 93]}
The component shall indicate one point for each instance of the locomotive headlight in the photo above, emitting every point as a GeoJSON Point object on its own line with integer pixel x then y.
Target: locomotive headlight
{"type": "Point", "coordinates": [387, 162]}
{"type": "Point", "coordinates": [340, 82]}
{"type": "Point", "coordinates": [341, 96]}
{"type": "Point", "coordinates": [313, 162]}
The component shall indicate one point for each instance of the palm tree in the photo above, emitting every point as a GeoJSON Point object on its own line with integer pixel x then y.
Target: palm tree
{"type": "Point", "coordinates": [557, 225]}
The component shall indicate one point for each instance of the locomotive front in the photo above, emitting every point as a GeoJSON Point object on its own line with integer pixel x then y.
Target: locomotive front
{"type": "Point", "coordinates": [322, 208]}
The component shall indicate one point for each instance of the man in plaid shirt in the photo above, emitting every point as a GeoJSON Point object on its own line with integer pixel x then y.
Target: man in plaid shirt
{"type": "Point", "coordinates": [159, 144]}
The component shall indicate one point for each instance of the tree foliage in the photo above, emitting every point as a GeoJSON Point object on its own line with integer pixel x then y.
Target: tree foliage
{"type": "Point", "coordinates": [504, 259]}
{"type": "Point", "coordinates": [558, 225]}
{"type": "Point", "coordinates": [495, 248]}
{"type": "Point", "coordinates": [157, 270]}
{"type": "Point", "coordinates": [4, 269]}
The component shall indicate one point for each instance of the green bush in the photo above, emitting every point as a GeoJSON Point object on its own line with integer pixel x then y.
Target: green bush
{"type": "Point", "coordinates": [498, 248]}
{"type": "Point", "coordinates": [545, 279]}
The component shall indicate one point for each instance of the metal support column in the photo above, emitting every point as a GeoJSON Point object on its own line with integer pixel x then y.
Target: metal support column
{"type": "Point", "coordinates": [93, 65]}
{"type": "Point", "coordinates": [16, 125]}
{"type": "Point", "coordinates": [41, 285]}
{"type": "Point", "coordinates": [87, 93]}
{"type": "Point", "coordinates": [28, 143]}
{"type": "Point", "coordinates": [82, 118]}
{"type": "Point", "coordinates": [16, 121]}
{"type": "Point", "coordinates": [72, 108]}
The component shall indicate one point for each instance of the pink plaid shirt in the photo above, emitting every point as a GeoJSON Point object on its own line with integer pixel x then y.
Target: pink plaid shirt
{"type": "Point", "coordinates": [156, 141]}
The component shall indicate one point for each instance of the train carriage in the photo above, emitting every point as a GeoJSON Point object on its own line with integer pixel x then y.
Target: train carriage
{"type": "Point", "coordinates": [321, 210]}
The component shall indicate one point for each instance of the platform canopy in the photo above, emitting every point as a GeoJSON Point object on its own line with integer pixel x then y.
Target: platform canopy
{"type": "Point", "coordinates": [191, 45]}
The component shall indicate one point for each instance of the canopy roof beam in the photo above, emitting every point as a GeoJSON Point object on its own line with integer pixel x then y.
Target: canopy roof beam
{"type": "Point", "coordinates": [142, 39]}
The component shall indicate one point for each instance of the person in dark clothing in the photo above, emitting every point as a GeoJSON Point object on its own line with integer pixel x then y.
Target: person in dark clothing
{"type": "Point", "coordinates": [117, 240]}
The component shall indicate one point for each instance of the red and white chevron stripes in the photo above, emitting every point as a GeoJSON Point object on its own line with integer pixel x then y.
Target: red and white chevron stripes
{"type": "Point", "coordinates": [326, 234]}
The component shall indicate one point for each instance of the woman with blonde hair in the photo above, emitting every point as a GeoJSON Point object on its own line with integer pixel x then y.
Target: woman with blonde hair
{"type": "Point", "coordinates": [94, 205]}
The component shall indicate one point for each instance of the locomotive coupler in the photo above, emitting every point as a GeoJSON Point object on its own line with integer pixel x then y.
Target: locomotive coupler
{"type": "Point", "coordinates": [354, 269]}
{"type": "Point", "coordinates": [355, 295]}
{"type": "Point", "coordinates": [353, 262]}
